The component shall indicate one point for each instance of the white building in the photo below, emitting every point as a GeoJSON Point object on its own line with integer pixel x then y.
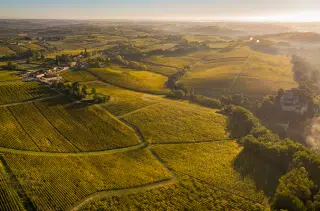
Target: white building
{"type": "Point", "coordinates": [290, 102]}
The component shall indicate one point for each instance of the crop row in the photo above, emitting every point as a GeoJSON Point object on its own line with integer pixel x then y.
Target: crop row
{"type": "Point", "coordinates": [87, 127]}
{"type": "Point", "coordinates": [22, 91]}
{"type": "Point", "coordinates": [187, 194]}
{"type": "Point", "coordinates": [9, 198]}
{"type": "Point", "coordinates": [57, 182]}
{"type": "Point", "coordinates": [213, 164]}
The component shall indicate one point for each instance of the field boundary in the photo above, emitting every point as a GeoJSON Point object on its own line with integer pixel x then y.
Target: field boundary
{"type": "Point", "coordinates": [56, 127]}
{"type": "Point", "coordinates": [240, 72]}
{"type": "Point", "coordinates": [30, 101]}
{"type": "Point", "coordinates": [24, 129]}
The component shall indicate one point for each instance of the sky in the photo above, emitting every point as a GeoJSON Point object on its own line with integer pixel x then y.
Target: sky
{"type": "Point", "coordinates": [188, 10]}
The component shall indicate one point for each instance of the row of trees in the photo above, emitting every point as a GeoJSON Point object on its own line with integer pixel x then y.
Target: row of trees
{"type": "Point", "coordinates": [131, 64]}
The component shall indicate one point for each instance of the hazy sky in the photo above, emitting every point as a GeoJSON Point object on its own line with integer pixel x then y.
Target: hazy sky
{"type": "Point", "coordinates": [273, 10]}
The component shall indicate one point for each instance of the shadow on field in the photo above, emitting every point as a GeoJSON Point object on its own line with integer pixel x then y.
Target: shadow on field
{"type": "Point", "coordinates": [68, 103]}
{"type": "Point", "coordinates": [264, 174]}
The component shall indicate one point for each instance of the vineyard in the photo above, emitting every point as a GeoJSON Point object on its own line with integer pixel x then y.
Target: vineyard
{"type": "Point", "coordinates": [212, 163]}
{"type": "Point", "coordinates": [240, 70]}
{"type": "Point", "coordinates": [143, 81]}
{"type": "Point", "coordinates": [23, 91]}
{"type": "Point", "coordinates": [122, 100]}
{"type": "Point", "coordinates": [78, 75]}
{"type": "Point", "coordinates": [57, 182]}
{"type": "Point", "coordinates": [265, 74]}
{"type": "Point", "coordinates": [7, 75]}
{"type": "Point", "coordinates": [42, 133]}
{"type": "Point", "coordinates": [88, 128]}
{"type": "Point", "coordinates": [171, 122]}
{"type": "Point", "coordinates": [13, 135]}
{"type": "Point", "coordinates": [188, 194]}
{"type": "Point", "coordinates": [9, 198]}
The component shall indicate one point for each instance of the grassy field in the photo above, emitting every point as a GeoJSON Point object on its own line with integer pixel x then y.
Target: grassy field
{"type": "Point", "coordinates": [239, 71]}
{"type": "Point", "coordinates": [211, 79]}
{"type": "Point", "coordinates": [212, 163]}
{"type": "Point", "coordinates": [167, 71]}
{"type": "Point", "coordinates": [78, 75]}
{"type": "Point", "coordinates": [89, 128]}
{"type": "Point", "coordinates": [265, 74]}
{"type": "Point", "coordinates": [57, 182]}
{"type": "Point", "coordinates": [187, 194]}
{"type": "Point", "coordinates": [9, 198]}
{"type": "Point", "coordinates": [8, 75]}
{"type": "Point", "coordinates": [173, 61]}
{"type": "Point", "coordinates": [122, 101]}
{"type": "Point", "coordinates": [173, 122]}
{"type": "Point", "coordinates": [135, 80]}
{"type": "Point", "coordinates": [22, 91]}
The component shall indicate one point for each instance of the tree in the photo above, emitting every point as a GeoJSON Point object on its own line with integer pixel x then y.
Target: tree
{"type": "Point", "coordinates": [11, 65]}
{"type": "Point", "coordinates": [293, 190]}
{"type": "Point", "coordinates": [178, 94]}
{"type": "Point", "coordinates": [99, 98]}
{"type": "Point", "coordinates": [84, 91]}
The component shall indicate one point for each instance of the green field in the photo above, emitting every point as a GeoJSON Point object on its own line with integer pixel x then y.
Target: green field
{"type": "Point", "coordinates": [265, 74]}
{"type": "Point", "coordinates": [8, 75]}
{"type": "Point", "coordinates": [77, 75]}
{"type": "Point", "coordinates": [143, 81]}
{"type": "Point", "coordinates": [172, 61]}
{"type": "Point", "coordinates": [40, 131]}
{"type": "Point", "coordinates": [167, 71]}
{"type": "Point", "coordinates": [23, 91]}
{"type": "Point", "coordinates": [57, 182]}
{"type": "Point", "coordinates": [212, 163]}
{"type": "Point", "coordinates": [188, 194]}
{"type": "Point", "coordinates": [173, 122]}
{"type": "Point", "coordinates": [121, 101]}
{"type": "Point", "coordinates": [89, 128]}
{"type": "Point", "coordinates": [240, 71]}
{"type": "Point", "coordinates": [13, 135]}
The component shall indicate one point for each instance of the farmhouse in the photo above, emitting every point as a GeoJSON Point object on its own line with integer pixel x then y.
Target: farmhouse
{"type": "Point", "coordinates": [290, 102]}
